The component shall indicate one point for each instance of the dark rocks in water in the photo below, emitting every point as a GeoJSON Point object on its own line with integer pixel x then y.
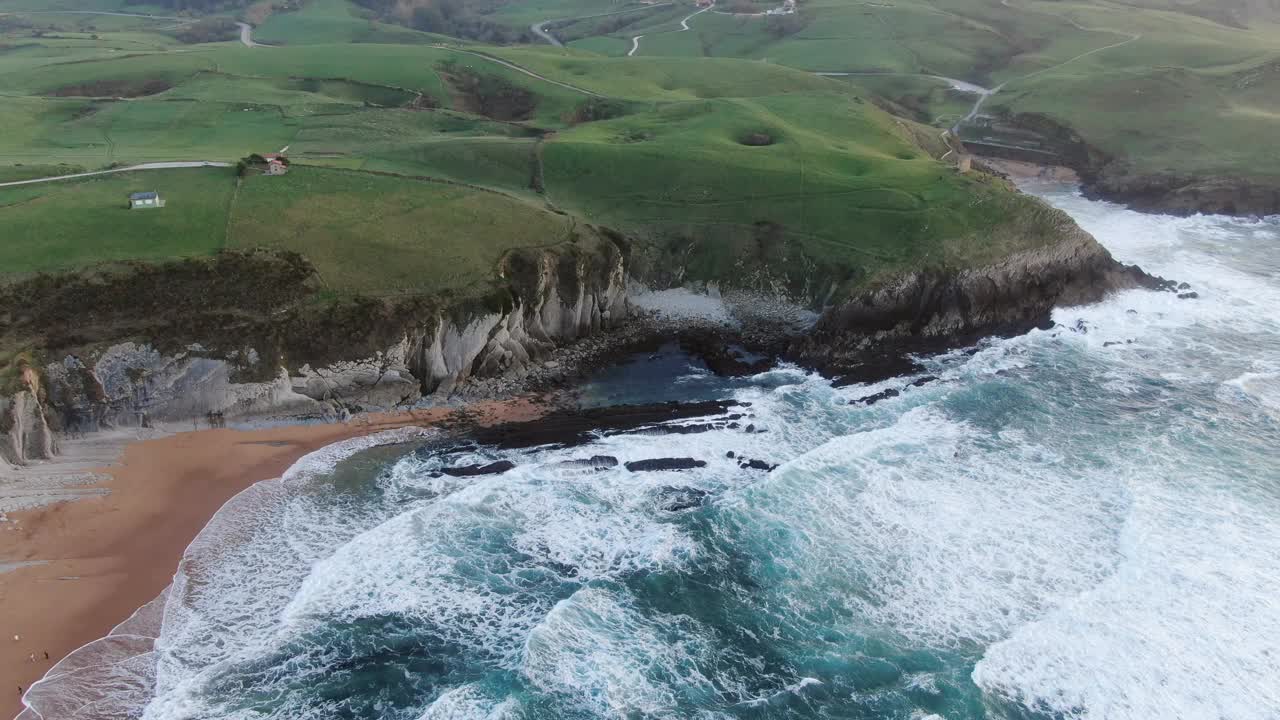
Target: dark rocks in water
{"type": "Point", "coordinates": [873, 368]}
{"type": "Point", "coordinates": [493, 468]}
{"type": "Point", "coordinates": [722, 353]}
{"type": "Point", "coordinates": [872, 334]}
{"type": "Point", "coordinates": [691, 429]}
{"type": "Point", "coordinates": [753, 464]}
{"type": "Point", "coordinates": [595, 462]}
{"type": "Point", "coordinates": [731, 455]}
{"type": "Point", "coordinates": [1188, 295]}
{"type": "Point", "coordinates": [919, 382]}
{"type": "Point", "coordinates": [877, 397]}
{"type": "Point", "coordinates": [1184, 194]}
{"type": "Point", "coordinates": [1081, 327]}
{"type": "Point", "coordinates": [573, 426]}
{"type": "Point", "coordinates": [675, 499]}
{"type": "Point", "coordinates": [1130, 311]}
{"type": "Point", "coordinates": [1109, 343]}
{"type": "Point", "coordinates": [665, 464]}
{"type": "Point", "coordinates": [1184, 286]}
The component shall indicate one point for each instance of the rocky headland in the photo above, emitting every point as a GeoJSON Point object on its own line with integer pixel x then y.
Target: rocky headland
{"type": "Point", "coordinates": [1040, 140]}
{"type": "Point", "coordinates": [241, 336]}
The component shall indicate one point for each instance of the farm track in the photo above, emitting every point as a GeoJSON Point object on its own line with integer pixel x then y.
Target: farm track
{"type": "Point", "coordinates": [521, 69]}
{"type": "Point", "coordinates": [131, 168]}
{"type": "Point", "coordinates": [684, 27]}
{"type": "Point", "coordinates": [540, 29]}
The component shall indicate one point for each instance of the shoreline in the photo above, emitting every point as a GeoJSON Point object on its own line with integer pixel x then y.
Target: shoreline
{"type": "Point", "coordinates": [70, 571]}
{"type": "Point", "coordinates": [1149, 194]}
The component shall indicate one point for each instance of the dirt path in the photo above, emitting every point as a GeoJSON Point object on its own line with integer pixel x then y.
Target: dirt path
{"type": "Point", "coordinates": [684, 27]}
{"type": "Point", "coordinates": [131, 168]}
{"type": "Point", "coordinates": [521, 69]}
{"type": "Point", "coordinates": [94, 12]}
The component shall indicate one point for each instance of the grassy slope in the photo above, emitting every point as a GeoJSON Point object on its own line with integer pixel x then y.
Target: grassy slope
{"type": "Point", "coordinates": [330, 21]}
{"type": "Point", "coordinates": [57, 226]}
{"type": "Point", "coordinates": [1207, 67]}
{"type": "Point", "coordinates": [377, 235]}
{"type": "Point", "coordinates": [843, 188]}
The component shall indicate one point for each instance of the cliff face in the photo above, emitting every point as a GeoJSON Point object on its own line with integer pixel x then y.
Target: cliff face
{"type": "Point", "coordinates": [1185, 195]}
{"type": "Point", "coordinates": [26, 432]}
{"type": "Point", "coordinates": [378, 355]}
{"type": "Point", "coordinates": [931, 310]}
{"type": "Point", "coordinates": [551, 297]}
{"type": "Point", "coordinates": [1036, 138]}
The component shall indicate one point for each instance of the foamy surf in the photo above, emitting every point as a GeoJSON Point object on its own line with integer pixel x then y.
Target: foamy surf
{"type": "Point", "coordinates": [1081, 522]}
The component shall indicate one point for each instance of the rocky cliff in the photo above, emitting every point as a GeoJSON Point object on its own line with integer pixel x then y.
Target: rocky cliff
{"type": "Point", "coordinates": [197, 361]}
{"type": "Point", "coordinates": [303, 361]}
{"type": "Point", "coordinates": [1039, 139]}
{"type": "Point", "coordinates": [936, 309]}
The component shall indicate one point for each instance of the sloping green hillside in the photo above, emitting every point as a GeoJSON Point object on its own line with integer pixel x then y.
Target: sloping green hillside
{"type": "Point", "coordinates": [416, 165]}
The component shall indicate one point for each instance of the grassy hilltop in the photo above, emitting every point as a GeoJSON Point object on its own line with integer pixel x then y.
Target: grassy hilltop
{"type": "Point", "coordinates": [1156, 88]}
{"type": "Point", "coordinates": [416, 162]}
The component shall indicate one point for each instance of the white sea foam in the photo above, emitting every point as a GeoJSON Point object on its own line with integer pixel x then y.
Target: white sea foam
{"type": "Point", "coordinates": [614, 661]}
{"type": "Point", "coordinates": [470, 703]}
{"type": "Point", "coordinates": [1086, 516]}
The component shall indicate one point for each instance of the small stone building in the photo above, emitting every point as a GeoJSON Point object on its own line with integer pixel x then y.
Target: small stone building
{"type": "Point", "coordinates": [277, 164]}
{"type": "Point", "coordinates": [145, 200]}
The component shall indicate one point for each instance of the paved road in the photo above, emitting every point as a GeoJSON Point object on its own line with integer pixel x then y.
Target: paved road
{"type": "Point", "coordinates": [538, 30]}
{"type": "Point", "coordinates": [131, 168]}
{"type": "Point", "coordinates": [684, 27]}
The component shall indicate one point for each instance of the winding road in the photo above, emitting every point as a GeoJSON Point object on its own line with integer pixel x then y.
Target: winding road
{"type": "Point", "coordinates": [540, 29]}
{"type": "Point", "coordinates": [684, 26]}
{"type": "Point", "coordinates": [131, 168]}
{"type": "Point", "coordinates": [984, 93]}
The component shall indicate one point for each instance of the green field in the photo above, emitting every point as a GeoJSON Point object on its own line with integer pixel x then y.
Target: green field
{"type": "Point", "coordinates": [67, 224]}
{"type": "Point", "coordinates": [417, 164]}
{"type": "Point", "coordinates": [376, 235]}
{"type": "Point", "coordinates": [1099, 67]}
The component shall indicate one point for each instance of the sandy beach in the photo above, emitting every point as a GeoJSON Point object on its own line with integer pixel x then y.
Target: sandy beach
{"type": "Point", "coordinates": [84, 566]}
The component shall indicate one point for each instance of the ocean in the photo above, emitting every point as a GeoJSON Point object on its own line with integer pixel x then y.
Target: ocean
{"type": "Point", "coordinates": [1080, 522]}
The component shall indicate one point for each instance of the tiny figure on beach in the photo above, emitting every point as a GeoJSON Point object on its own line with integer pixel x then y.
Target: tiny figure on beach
{"type": "Point", "coordinates": [31, 657]}
{"type": "Point", "coordinates": [19, 690]}
{"type": "Point", "coordinates": [46, 654]}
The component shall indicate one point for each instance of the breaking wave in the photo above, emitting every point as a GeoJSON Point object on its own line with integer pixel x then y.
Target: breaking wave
{"type": "Point", "coordinates": [1081, 522]}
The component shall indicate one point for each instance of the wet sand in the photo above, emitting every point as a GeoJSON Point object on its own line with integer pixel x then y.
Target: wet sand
{"type": "Point", "coordinates": [84, 566]}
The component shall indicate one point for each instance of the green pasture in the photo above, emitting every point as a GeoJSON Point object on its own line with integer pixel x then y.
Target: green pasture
{"type": "Point", "coordinates": [74, 223]}
{"type": "Point", "coordinates": [374, 234]}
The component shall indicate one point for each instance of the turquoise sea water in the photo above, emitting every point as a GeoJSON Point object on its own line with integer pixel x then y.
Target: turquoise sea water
{"type": "Point", "coordinates": [1082, 522]}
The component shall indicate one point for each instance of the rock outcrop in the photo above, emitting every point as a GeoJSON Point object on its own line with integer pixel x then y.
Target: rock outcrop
{"type": "Point", "coordinates": [1176, 194]}
{"type": "Point", "coordinates": [372, 355]}
{"type": "Point", "coordinates": [932, 310]}
{"type": "Point", "coordinates": [552, 297]}
{"type": "Point", "coordinates": [26, 433]}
